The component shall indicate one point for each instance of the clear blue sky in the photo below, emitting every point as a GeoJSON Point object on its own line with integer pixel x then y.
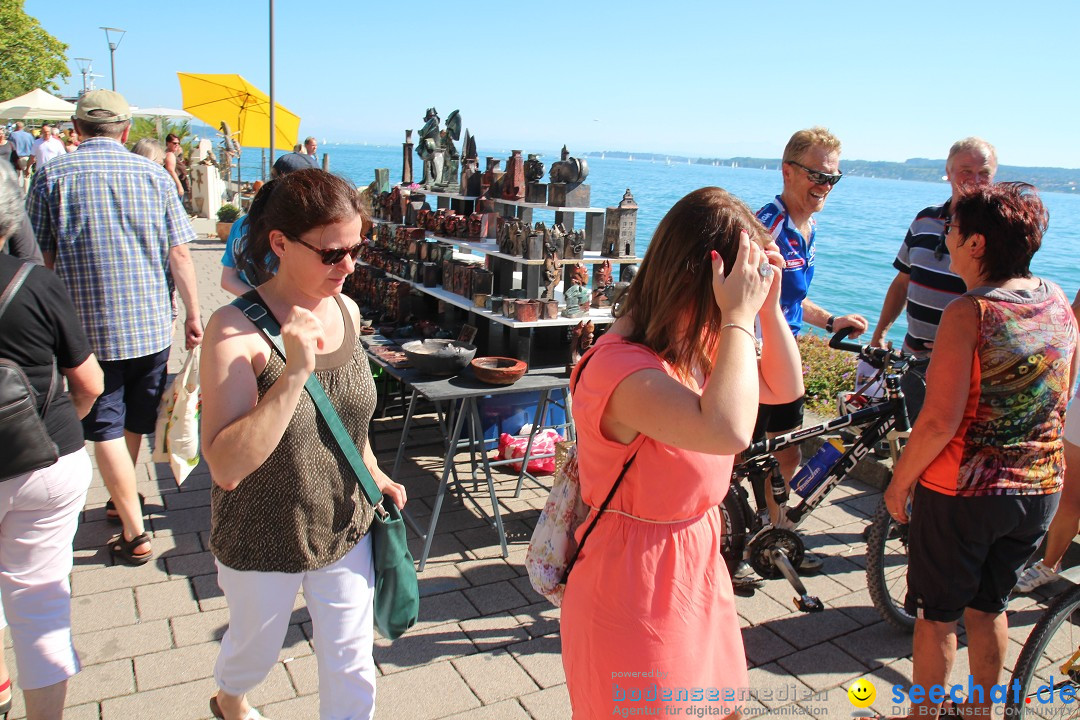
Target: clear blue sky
{"type": "Point", "coordinates": [715, 79]}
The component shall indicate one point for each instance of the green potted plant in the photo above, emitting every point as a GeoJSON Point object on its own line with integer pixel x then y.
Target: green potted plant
{"type": "Point", "coordinates": [226, 215]}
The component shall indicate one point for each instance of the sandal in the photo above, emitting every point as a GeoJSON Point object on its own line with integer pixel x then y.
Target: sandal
{"type": "Point", "coordinates": [5, 707]}
{"type": "Point", "coordinates": [253, 714]}
{"type": "Point", "coordinates": [125, 549]}
{"type": "Point", "coordinates": [114, 517]}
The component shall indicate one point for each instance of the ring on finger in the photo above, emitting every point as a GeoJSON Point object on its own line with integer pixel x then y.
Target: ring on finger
{"type": "Point", "coordinates": [765, 269]}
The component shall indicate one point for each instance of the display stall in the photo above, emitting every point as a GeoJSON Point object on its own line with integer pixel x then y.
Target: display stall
{"type": "Point", "coordinates": [497, 260]}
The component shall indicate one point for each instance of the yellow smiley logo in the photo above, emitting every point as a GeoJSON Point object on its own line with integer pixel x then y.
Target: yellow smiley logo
{"type": "Point", "coordinates": [861, 693]}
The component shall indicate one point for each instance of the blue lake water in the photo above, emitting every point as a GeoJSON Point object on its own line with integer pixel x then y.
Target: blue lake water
{"type": "Point", "coordinates": [859, 231]}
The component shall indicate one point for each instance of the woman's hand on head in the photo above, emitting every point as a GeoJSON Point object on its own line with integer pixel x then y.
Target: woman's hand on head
{"type": "Point", "coordinates": [303, 335]}
{"type": "Point", "coordinates": [741, 294]}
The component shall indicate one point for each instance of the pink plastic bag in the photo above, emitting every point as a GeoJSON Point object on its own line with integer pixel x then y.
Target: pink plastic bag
{"type": "Point", "coordinates": [543, 444]}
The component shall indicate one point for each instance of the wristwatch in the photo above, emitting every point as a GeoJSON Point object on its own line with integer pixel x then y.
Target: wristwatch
{"type": "Point", "coordinates": [829, 323]}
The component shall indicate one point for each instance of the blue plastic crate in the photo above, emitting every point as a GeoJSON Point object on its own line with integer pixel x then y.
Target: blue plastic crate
{"type": "Point", "coordinates": [507, 413]}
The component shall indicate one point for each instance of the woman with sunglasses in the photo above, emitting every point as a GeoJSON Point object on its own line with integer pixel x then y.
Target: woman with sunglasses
{"type": "Point", "coordinates": [810, 168]}
{"type": "Point", "coordinates": [985, 461]}
{"type": "Point", "coordinates": [286, 512]}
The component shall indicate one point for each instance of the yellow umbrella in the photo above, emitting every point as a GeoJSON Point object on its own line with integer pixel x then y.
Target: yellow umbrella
{"type": "Point", "coordinates": [232, 99]}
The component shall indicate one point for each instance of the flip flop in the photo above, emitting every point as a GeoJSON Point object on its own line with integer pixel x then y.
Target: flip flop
{"type": "Point", "coordinates": [110, 507]}
{"type": "Point", "coordinates": [122, 549]}
{"type": "Point", "coordinates": [253, 714]}
{"type": "Point", "coordinates": [5, 707]}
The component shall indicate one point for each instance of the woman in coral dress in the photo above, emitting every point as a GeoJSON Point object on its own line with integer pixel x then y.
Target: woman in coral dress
{"type": "Point", "coordinates": [648, 619]}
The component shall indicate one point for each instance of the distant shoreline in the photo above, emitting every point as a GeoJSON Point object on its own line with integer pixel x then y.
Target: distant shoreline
{"type": "Point", "coordinates": [1047, 179]}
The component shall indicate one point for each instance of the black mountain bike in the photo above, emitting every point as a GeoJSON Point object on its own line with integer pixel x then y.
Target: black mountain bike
{"type": "Point", "coordinates": [1046, 680]}
{"type": "Point", "coordinates": [774, 549]}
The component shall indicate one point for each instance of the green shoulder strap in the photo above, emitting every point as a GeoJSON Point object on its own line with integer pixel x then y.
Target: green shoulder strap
{"type": "Point", "coordinates": [266, 322]}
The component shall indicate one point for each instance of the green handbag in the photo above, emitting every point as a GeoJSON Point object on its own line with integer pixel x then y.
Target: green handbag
{"type": "Point", "coordinates": [397, 592]}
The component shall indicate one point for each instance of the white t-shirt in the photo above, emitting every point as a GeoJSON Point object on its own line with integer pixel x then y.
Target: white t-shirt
{"type": "Point", "coordinates": [46, 150]}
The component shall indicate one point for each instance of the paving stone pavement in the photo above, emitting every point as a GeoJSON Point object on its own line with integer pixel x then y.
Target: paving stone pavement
{"type": "Point", "coordinates": [486, 646]}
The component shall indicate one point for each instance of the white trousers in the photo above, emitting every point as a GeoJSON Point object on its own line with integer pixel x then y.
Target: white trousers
{"type": "Point", "coordinates": [340, 600]}
{"type": "Point", "coordinates": [39, 513]}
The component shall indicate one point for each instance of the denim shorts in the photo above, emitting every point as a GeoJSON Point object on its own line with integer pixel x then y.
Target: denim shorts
{"type": "Point", "coordinates": [133, 390]}
{"type": "Point", "coordinates": [968, 552]}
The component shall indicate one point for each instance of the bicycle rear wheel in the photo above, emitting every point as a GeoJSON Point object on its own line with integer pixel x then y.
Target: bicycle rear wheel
{"type": "Point", "coordinates": [886, 569]}
{"type": "Point", "coordinates": [733, 532]}
{"type": "Point", "coordinates": [1049, 663]}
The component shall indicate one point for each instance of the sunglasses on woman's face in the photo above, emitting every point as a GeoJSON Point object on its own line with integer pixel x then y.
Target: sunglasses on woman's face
{"type": "Point", "coordinates": [817, 177]}
{"type": "Point", "coordinates": [334, 255]}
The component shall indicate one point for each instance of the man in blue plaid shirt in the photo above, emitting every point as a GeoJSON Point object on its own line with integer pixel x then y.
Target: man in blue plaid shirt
{"type": "Point", "coordinates": [110, 224]}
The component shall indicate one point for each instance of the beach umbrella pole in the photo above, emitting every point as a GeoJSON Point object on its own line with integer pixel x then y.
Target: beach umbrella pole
{"type": "Point", "coordinates": [273, 127]}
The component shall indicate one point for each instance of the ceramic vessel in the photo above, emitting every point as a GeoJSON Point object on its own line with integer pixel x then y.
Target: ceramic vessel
{"type": "Point", "coordinates": [526, 310]}
{"type": "Point", "coordinates": [439, 357]}
{"type": "Point", "coordinates": [498, 370]}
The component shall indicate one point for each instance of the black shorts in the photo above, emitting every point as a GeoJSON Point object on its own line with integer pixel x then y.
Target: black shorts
{"type": "Point", "coordinates": [968, 552]}
{"type": "Point", "coordinates": [778, 418]}
{"type": "Point", "coordinates": [133, 389]}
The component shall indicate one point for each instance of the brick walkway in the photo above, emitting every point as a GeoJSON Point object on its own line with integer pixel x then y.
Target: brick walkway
{"type": "Point", "coordinates": [487, 646]}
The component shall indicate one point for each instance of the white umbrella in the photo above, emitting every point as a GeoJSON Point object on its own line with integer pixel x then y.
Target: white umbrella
{"type": "Point", "coordinates": [157, 113]}
{"type": "Point", "coordinates": [36, 105]}
{"type": "Point", "coordinates": [162, 112]}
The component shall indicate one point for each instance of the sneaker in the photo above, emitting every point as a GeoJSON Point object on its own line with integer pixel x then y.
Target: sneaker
{"type": "Point", "coordinates": [745, 579]}
{"type": "Point", "coordinates": [1036, 576]}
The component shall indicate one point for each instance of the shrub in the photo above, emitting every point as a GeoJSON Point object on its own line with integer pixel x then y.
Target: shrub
{"type": "Point", "coordinates": [825, 373]}
{"type": "Point", "coordinates": [228, 213]}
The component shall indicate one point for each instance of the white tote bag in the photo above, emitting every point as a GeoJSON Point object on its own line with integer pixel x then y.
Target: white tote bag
{"type": "Point", "coordinates": [176, 436]}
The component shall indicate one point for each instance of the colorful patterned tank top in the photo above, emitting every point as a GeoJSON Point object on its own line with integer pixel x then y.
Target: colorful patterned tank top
{"type": "Point", "coordinates": [1010, 439]}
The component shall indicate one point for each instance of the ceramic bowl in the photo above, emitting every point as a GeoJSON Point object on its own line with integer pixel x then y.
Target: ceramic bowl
{"type": "Point", "coordinates": [498, 370]}
{"type": "Point", "coordinates": [439, 357]}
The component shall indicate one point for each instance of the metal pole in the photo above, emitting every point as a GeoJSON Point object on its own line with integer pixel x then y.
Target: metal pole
{"type": "Point", "coordinates": [272, 119]}
{"type": "Point", "coordinates": [112, 49]}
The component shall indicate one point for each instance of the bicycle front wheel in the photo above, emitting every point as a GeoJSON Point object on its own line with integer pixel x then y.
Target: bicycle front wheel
{"type": "Point", "coordinates": [1049, 664]}
{"type": "Point", "coordinates": [733, 538]}
{"type": "Point", "coordinates": [886, 569]}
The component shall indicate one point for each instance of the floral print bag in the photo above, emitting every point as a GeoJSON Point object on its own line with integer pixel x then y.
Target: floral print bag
{"type": "Point", "coordinates": [553, 548]}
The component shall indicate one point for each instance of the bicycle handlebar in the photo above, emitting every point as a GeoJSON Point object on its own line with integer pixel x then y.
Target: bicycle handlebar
{"type": "Point", "coordinates": [869, 353]}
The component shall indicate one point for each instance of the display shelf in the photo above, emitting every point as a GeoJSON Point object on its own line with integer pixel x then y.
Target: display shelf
{"type": "Point", "coordinates": [439, 193]}
{"type": "Point", "coordinates": [597, 315]}
{"type": "Point", "coordinates": [545, 206]}
{"type": "Point", "coordinates": [600, 316]}
{"type": "Point", "coordinates": [490, 247]}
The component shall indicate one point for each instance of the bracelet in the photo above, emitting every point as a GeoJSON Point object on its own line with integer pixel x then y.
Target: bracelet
{"type": "Point", "coordinates": [757, 341]}
{"type": "Point", "coordinates": [829, 323]}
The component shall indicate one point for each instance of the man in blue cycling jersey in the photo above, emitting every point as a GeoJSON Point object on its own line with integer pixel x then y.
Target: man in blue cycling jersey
{"type": "Point", "coordinates": [811, 167]}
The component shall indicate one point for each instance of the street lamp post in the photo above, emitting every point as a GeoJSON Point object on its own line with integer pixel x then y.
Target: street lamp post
{"type": "Point", "coordinates": [112, 49]}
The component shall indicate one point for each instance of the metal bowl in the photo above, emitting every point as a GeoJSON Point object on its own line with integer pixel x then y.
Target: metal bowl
{"type": "Point", "coordinates": [439, 357]}
{"type": "Point", "coordinates": [498, 370]}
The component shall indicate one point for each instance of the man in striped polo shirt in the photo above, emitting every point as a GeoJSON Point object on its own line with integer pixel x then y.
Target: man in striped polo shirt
{"type": "Point", "coordinates": [923, 283]}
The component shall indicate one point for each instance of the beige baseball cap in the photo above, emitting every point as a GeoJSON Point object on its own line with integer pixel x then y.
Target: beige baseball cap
{"type": "Point", "coordinates": [108, 100]}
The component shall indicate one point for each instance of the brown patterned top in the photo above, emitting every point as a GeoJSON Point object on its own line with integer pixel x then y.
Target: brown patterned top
{"type": "Point", "coordinates": [302, 509]}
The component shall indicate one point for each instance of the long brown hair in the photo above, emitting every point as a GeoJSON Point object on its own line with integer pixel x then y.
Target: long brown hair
{"type": "Point", "coordinates": [671, 300]}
